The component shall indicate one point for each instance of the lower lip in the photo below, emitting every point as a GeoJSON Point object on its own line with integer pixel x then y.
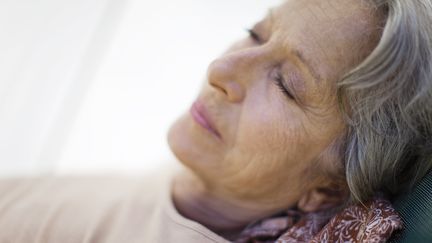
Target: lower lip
{"type": "Point", "coordinates": [199, 118]}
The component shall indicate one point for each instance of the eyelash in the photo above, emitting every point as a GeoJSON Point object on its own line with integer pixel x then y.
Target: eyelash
{"type": "Point", "coordinates": [253, 35]}
{"type": "Point", "coordinates": [279, 81]}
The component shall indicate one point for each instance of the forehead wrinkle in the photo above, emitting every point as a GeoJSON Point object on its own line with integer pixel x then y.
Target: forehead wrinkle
{"type": "Point", "coordinates": [313, 10]}
{"type": "Point", "coordinates": [318, 12]}
{"type": "Point", "coordinates": [298, 54]}
{"type": "Point", "coordinates": [319, 8]}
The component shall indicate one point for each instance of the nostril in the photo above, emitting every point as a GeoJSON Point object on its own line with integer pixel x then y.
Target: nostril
{"type": "Point", "coordinates": [222, 75]}
{"type": "Point", "coordinates": [233, 91]}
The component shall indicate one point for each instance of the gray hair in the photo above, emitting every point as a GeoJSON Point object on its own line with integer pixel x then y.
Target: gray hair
{"type": "Point", "coordinates": [387, 100]}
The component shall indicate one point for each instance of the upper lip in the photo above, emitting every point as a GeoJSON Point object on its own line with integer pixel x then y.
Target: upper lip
{"type": "Point", "coordinates": [199, 106]}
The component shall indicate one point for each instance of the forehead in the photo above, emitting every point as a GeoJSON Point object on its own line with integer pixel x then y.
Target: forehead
{"type": "Point", "coordinates": [331, 35]}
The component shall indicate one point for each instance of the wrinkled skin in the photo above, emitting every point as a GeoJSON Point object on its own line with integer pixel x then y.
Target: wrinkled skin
{"type": "Point", "coordinates": [273, 149]}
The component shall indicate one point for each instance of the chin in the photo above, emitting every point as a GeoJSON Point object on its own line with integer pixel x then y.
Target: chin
{"type": "Point", "coordinates": [192, 148]}
{"type": "Point", "coordinates": [178, 140]}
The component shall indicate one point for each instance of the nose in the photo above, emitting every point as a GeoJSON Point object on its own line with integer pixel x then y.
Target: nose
{"type": "Point", "coordinates": [227, 75]}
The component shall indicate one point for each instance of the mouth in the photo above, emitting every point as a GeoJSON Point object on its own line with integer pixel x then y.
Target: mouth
{"type": "Point", "coordinates": [201, 117]}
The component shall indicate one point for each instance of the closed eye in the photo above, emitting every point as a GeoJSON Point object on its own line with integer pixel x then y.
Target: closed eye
{"type": "Point", "coordinates": [253, 35]}
{"type": "Point", "coordinates": [280, 82]}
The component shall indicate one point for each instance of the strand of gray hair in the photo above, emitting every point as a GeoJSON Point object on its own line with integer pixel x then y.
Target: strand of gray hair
{"type": "Point", "coordinates": [387, 101]}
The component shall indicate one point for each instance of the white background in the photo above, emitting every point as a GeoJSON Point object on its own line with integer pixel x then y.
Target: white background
{"type": "Point", "coordinates": [93, 85]}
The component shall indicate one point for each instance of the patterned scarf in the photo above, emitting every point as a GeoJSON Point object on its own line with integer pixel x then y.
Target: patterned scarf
{"type": "Point", "coordinates": [374, 221]}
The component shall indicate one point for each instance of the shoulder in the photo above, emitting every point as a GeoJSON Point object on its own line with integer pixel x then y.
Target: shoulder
{"type": "Point", "coordinates": [55, 209]}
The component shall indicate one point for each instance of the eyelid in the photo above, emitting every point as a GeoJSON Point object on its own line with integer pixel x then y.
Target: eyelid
{"type": "Point", "coordinates": [284, 84]}
{"type": "Point", "coordinates": [254, 35]}
{"type": "Point", "coordinates": [278, 78]}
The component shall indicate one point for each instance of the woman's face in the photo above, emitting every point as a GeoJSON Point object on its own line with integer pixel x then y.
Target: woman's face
{"type": "Point", "coordinates": [263, 125]}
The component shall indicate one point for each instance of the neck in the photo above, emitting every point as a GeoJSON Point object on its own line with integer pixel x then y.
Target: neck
{"type": "Point", "coordinates": [223, 216]}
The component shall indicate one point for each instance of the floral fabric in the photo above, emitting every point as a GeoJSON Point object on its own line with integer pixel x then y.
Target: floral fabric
{"type": "Point", "coordinates": [374, 221]}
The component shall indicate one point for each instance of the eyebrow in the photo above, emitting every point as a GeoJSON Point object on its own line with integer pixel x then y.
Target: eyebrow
{"type": "Point", "coordinates": [298, 54]}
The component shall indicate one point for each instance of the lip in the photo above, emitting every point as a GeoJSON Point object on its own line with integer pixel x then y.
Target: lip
{"type": "Point", "coordinates": [200, 115]}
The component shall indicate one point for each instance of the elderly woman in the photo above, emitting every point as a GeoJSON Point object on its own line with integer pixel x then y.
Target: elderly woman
{"type": "Point", "coordinates": [303, 132]}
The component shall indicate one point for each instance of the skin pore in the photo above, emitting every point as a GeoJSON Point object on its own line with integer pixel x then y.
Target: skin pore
{"type": "Point", "coordinates": [272, 99]}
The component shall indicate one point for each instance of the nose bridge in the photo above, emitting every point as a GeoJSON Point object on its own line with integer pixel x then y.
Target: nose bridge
{"type": "Point", "coordinates": [232, 73]}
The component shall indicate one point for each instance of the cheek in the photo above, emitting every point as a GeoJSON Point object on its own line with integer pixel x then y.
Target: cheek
{"type": "Point", "coordinates": [270, 144]}
{"type": "Point", "coordinates": [269, 130]}
{"type": "Point", "coordinates": [268, 140]}
{"type": "Point", "coordinates": [274, 134]}
{"type": "Point", "coordinates": [274, 139]}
